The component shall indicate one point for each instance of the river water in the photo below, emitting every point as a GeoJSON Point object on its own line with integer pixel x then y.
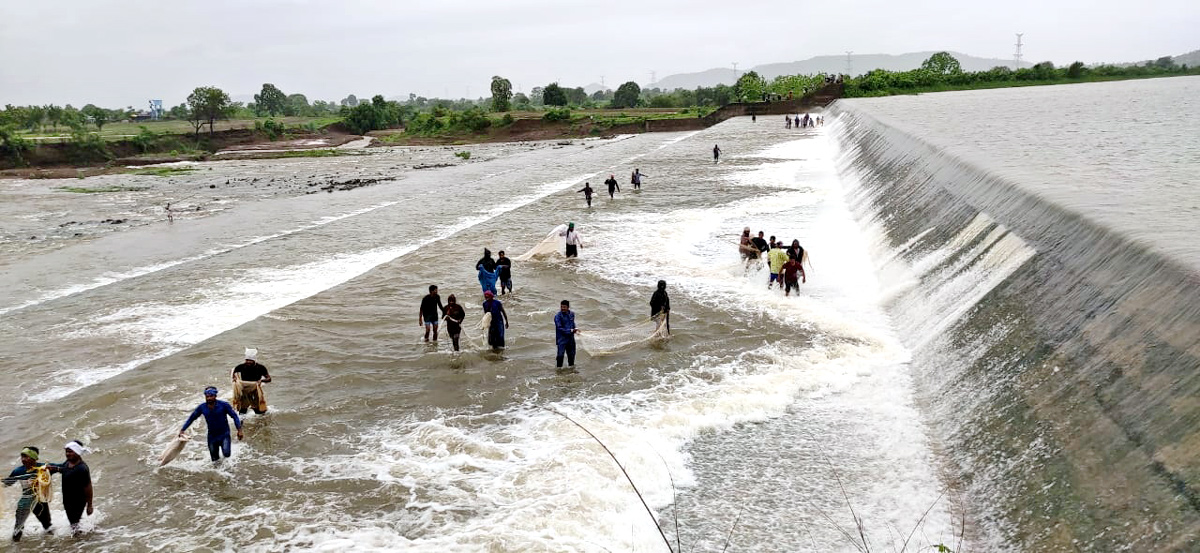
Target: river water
{"type": "Point", "coordinates": [764, 421]}
{"type": "Point", "coordinates": [944, 363]}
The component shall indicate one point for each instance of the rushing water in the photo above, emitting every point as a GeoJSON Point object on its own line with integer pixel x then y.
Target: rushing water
{"type": "Point", "coordinates": [1000, 326]}
{"type": "Point", "coordinates": [1037, 248]}
{"type": "Point", "coordinates": [763, 421]}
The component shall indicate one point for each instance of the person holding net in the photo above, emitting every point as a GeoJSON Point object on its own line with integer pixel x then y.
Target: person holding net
{"type": "Point", "coordinates": [572, 240]}
{"type": "Point", "coordinates": [564, 334]}
{"type": "Point", "coordinates": [30, 502]}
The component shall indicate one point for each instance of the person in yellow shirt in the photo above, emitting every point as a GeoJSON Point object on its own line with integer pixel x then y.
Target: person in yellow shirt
{"type": "Point", "coordinates": [776, 257]}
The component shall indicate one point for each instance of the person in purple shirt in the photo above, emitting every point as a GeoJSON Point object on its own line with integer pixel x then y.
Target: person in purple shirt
{"type": "Point", "coordinates": [564, 333]}
{"type": "Point", "coordinates": [214, 412]}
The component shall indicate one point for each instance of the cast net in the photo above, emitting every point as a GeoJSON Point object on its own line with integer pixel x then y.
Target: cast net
{"type": "Point", "coordinates": [612, 340]}
{"type": "Point", "coordinates": [552, 244]}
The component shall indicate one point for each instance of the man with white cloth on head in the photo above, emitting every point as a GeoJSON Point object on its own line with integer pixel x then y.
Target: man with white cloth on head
{"type": "Point", "coordinates": [248, 379]}
{"type": "Point", "coordinates": [76, 483]}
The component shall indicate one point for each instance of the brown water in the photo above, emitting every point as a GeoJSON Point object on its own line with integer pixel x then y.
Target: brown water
{"type": "Point", "coordinates": [767, 414]}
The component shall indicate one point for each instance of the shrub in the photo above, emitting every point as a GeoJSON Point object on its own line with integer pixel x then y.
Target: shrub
{"type": "Point", "coordinates": [13, 145]}
{"type": "Point", "coordinates": [145, 139]}
{"type": "Point", "coordinates": [465, 155]}
{"type": "Point", "coordinates": [270, 128]}
{"type": "Point", "coordinates": [506, 120]}
{"type": "Point", "coordinates": [86, 146]}
{"type": "Point", "coordinates": [473, 119]}
{"type": "Point", "coordinates": [557, 114]}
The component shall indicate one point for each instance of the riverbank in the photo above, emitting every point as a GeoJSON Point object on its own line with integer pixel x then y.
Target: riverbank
{"type": "Point", "coordinates": [48, 213]}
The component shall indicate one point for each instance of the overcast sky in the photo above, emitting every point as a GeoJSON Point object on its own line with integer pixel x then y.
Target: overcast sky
{"type": "Point", "coordinates": [122, 52]}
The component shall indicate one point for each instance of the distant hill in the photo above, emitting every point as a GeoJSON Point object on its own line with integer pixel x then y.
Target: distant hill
{"type": "Point", "coordinates": [594, 88]}
{"type": "Point", "coordinates": [826, 64]}
{"type": "Point", "coordinates": [1191, 59]}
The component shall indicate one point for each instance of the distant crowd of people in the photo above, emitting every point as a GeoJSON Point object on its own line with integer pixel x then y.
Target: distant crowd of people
{"type": "Point", "coordinates": [785, 263]}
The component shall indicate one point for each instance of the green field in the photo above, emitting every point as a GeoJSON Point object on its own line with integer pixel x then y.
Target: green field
{"type": "Point", "coordinates": [116, 131]}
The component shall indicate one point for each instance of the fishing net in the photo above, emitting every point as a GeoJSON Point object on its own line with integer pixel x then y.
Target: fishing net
{"type": "Point", "coordinates": [475, 336]}
{"type": "Point", "coordinates": [603, 342]}
{"type": "Point", "coordinates": [248, 395]}
{"type": "Point", "coordinates": [552, 244]}
{"type": "Point", "coordinates": [41, 485]}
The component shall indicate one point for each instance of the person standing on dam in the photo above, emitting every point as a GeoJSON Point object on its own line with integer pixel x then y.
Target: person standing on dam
{"type": "Point", "coordinates": [716, 153]}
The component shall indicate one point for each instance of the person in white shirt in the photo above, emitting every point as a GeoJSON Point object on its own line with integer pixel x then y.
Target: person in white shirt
{"type": "Point", "coordinates": [573, 241]}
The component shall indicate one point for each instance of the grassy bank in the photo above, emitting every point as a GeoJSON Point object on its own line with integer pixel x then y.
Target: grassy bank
{"type": "Point", "coordinates": [131, 129]}
{"type": "Point", "coordinates": [946, 87]}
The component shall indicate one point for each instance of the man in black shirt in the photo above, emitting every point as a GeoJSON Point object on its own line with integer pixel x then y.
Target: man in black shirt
{"type": "Point", "coordinates": [660, 303]}
{"type": "Point", "coordinates": [504, 265]}
{"type": "Point", "coordinates": [76, 484]}
{"type": "Point", "coordinates": [251, 371]}
{"type": "Point", "coordinates": [431, 312]}
{"type": "Point", "coordinates": [612, 185]}
{"type": "Point", "coordinates": [760, 242]}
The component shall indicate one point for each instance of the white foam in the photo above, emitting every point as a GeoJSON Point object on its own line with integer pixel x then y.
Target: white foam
{"type": "Point", "coordinates": [115, 277]}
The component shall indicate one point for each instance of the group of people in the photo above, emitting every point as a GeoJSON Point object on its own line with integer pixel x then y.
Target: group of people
{"type": "Point", "coordinates": [249, 376]}
{"type": "Point", "coordinates": [785, 262]}
{"type": "Point", "coordinates": [803, 122]}
{"type": "Point", "coordinates": [431, 310]}
{"type": "Point", "coordinates": [635, 179]}
{"type": "Point", "coordinates": [33, 476]}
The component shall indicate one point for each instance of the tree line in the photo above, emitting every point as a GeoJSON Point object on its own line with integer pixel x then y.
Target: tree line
{"type": "Point", "coordinates": [208, 104]}
{"type": "Point", "coordinates": [942, 71]}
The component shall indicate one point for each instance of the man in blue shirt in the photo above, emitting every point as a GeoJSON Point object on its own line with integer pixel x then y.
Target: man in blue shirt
{"type": "Point", "coordinates": [214, 412]}
{"type": "Point", "coordinates": [564, 333]}
{"type": "Point", "coordinates": [28, 503]}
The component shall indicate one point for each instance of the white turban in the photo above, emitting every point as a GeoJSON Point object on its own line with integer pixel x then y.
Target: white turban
{"type": "Point", "coordinates": [77, 447]}
{"type": "Point", "coordinates": [251, 353]}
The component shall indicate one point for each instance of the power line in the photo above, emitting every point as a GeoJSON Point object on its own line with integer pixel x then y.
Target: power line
{"type": "Point", "coordinates": [1017, 56]}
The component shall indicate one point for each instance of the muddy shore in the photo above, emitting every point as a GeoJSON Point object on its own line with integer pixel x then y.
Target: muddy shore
{"type": "Point", "coordinates": [38, 215]}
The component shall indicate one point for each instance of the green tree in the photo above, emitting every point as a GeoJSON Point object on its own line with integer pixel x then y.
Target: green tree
{"type": "Point", "coordinates": [501, 94]}
{"type": "Point", "coordinates": [296, 104]}
{"type": "Point", "coordinates": [99, 116]}
{"type": "Point", "coordinates": [1165, 62]}
{"type": "Point", "coordinates": [554, 95]}
{"type": "Point", "coordinates": [750, 87]}
{"type": "Point", "coordinates": [521, 101]}
{"type": "Point", "coordinates": [942, 63]}
{"type": "Point", "coordinates": [271, 101]}
{"type": "Point", "coordinates": [54, 115]}
{"type": "Point", "coordinates": [32, 117]}
{"type": "Point", "coordinates": [206, 104]}
{"type": "Point", "coordinates": [576, 96]}
{"type": "Point", "coordinates": [626, 96]}
{"type": "Point", "coordinates": [350, 101]}
{"type": "Point", "coordinates": [1075, 71]}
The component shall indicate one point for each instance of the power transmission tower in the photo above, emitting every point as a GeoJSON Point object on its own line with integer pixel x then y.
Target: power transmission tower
{"type": "Point", "coordinates": [735, 73]}
{"type": "Point", "coordinates": [601, 81]}
{"type": "Point", "coordinates": [653, 78]}
{"type": "Point", "coordinates": [1017, 56]}
{"type": "Point", "coordinates": [849, 63]}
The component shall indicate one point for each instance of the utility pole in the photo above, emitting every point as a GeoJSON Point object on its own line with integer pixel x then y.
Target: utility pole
{"type": "Point", "coordinates": [652, 78]}
{"type": "Point", "coordinates": [1017, 55]}
{"type": "Point", "coordinates": [849, 63]}
{"type": "Point", "coordinates": [601, 81]}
